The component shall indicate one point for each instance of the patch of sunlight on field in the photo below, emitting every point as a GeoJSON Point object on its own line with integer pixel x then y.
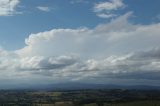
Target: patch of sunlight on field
{"type": "Point", "coordinates": [43, 105]}
{"type": "Point", "coordinates": [46, 93]}
{"type": "Point", "coordinates": [91, 104]}
{"type": "Point", "coordinates": [64, 104]}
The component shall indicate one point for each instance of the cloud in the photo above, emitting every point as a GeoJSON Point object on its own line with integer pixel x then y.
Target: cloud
{"type": "Point", "coordinates": [136, 66]}
{"type": "Point", "coordinates": [112, 5]}
{"type": "Point", "coordinates": [78, 1]}
{"type": "Point", "coordinates": [105, 9]}
{"type": "Point", "coordinates": [43, 8]}
{"type": "Point", "coordinates": [7, 7]}
{"type": "Point", "coordinates": [157, 17]}
{"type": "Point", "coordinates": [118, 51]}
{"type": "Point", "coordinates": [44, 63]}
{"type": "Point", "coordinates": [110, 38]}
{"type": "Point", "coordinates": [102, 15]}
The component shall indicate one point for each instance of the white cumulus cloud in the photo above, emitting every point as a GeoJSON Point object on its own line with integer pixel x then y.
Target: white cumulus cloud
{"type": "Point", "coordinates": [105, 9]}
{"type": "Point", "coordinates": [8, 7]}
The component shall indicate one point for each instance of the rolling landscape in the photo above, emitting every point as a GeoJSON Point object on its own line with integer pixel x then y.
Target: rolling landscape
{"type": "Point", "coordinates": [83, 97]}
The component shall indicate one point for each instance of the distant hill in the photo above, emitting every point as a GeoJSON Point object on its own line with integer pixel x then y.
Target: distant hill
{"type": "Point", "coordinates": [80, 86]}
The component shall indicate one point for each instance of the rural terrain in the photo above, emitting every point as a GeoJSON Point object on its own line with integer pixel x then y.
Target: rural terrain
{"type": "Point", "coordinates": [86, 97]}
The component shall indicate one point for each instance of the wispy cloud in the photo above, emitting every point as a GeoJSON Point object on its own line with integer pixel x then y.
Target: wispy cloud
{"type": "Point", "coordinates": [78, 1]}
{"type": "Point", "coordinates": [103, 15]}
{"type": "Point", "coordinates": [112, 5]}
{"type": "Point", "coordinates": [106, 9]}
{"type": "Point", "coordinates": [43, 8]}
{"type": "Point", "coordinates": [8, 7]}
{"type": "Point", "coordinates": [157, 17]}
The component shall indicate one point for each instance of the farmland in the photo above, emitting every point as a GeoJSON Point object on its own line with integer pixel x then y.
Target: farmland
{"type": "Point", "coordinates": [101, 97]}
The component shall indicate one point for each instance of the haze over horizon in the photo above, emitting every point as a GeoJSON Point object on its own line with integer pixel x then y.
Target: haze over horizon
{"type": "Point", "coordinates": [85, 41]}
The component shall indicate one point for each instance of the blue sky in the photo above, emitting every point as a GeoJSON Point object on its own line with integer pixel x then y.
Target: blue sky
{"type": "Point", "coordinates": [65, 14]}
{"type": "Point", "coordinates": [93, 41]}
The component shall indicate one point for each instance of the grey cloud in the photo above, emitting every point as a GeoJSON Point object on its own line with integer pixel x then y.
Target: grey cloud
{"type": "Point", "coordinates": [46, 63]}
{"type": "Point", "coordinates": [150, 54]}
{"type": "Point", "coordinates": [124, 67]}
{"type": "Point", "coordinates": [57, 63]}
{"type": "Point", "coordinates": [72, 68]}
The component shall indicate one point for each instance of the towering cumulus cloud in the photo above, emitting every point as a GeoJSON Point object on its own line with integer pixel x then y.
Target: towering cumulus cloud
{"type": "Point", "coordinates": [117, 51]}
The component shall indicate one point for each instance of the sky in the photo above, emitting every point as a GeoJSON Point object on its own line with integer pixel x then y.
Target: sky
{"type": "Point", "coordinates": [87, 41]}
